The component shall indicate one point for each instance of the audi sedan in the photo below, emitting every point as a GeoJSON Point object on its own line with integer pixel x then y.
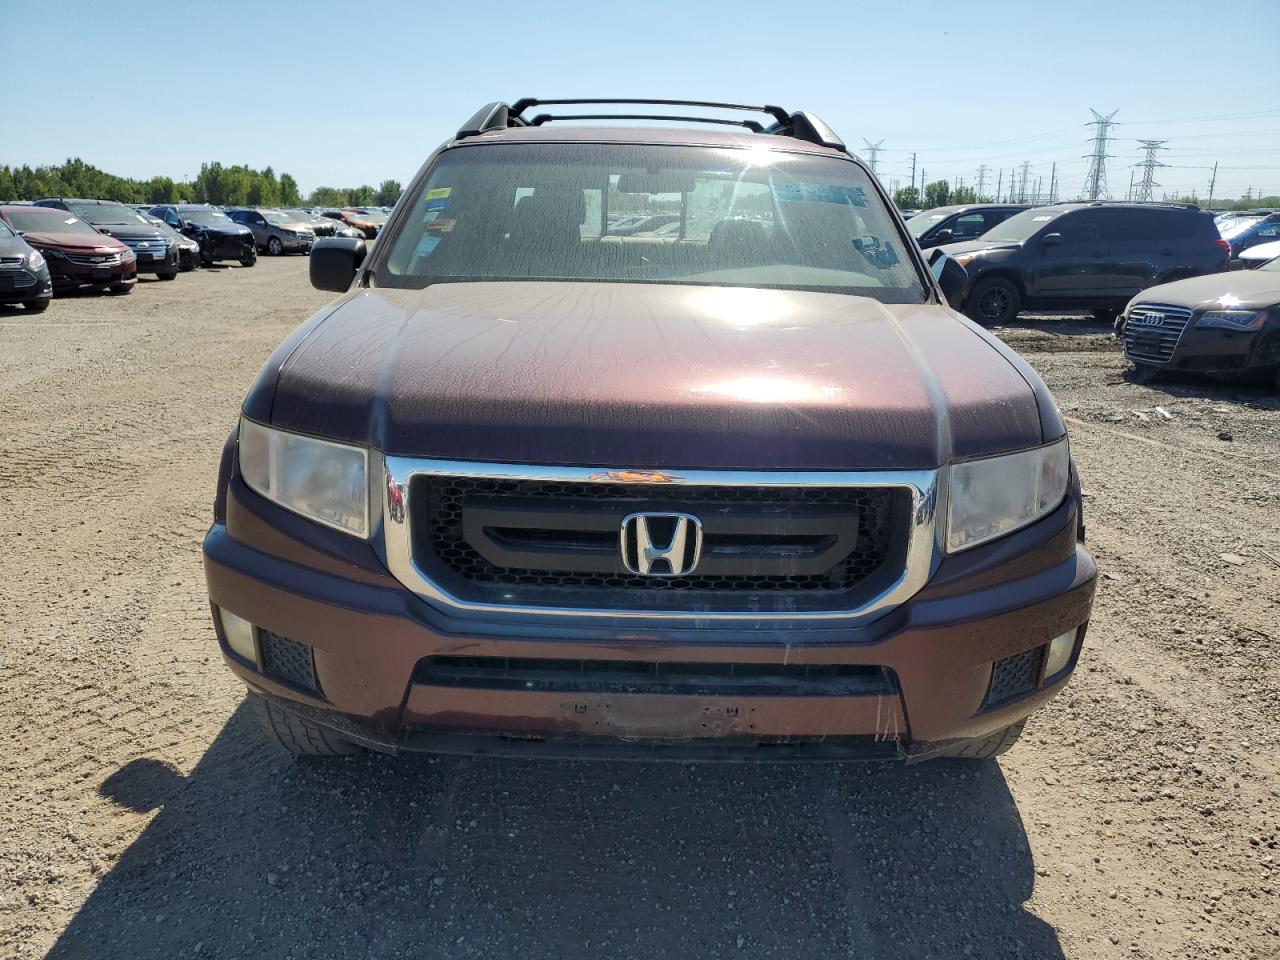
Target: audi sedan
{"type": "Point", "coordinates": [1222, 323]}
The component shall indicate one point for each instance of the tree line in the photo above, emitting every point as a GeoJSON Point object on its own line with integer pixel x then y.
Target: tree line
{"type": "Point", "coordinates": [235, 185]}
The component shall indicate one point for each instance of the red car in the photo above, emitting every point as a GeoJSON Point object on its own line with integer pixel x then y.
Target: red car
{"type": "Point", "coordinates": [78, 255]}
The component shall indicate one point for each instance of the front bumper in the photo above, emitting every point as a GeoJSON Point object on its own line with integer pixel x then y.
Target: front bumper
{"type": "Point", "coordinates": [1218, 350]}
{"type": "Point", "coordinates": [157, 262]}
{"type": "Point", "coordinates": [371, 640]}
{"type": "Point", "coordinates": [73, 276]}
{"type": "Point", "coordinates": [220, 247]}
{"type": "Point", "coordinates": [23, 285]}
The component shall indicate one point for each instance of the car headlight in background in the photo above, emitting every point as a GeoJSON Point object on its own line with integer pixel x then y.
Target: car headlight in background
{"type": "Point", "coordinates": [965, 259]}
{"type": "Point", "coordinates": [35, 260]}
{"type": "Point", "coordinates": [318, 479]}
{"type": "Point", "coordinates": [1233, 319]}
{"type": "Point", "coordinates": [997, 495]}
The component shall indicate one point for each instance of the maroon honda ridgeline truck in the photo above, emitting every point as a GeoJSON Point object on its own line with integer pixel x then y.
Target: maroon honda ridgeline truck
{"type": "Point", "coordinates": [646, 440]}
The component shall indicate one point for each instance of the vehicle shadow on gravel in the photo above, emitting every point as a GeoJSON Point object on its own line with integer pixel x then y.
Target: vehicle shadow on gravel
{"type": "Point", "coordinates": [1252, 390]}
{"type": "Point", "coordinates": [252, 855]}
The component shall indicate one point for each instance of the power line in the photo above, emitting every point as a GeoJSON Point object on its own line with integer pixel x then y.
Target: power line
{"type": "Point", "coordinates": [1095, 181]}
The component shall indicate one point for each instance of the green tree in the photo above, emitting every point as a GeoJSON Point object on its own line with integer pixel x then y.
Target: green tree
{"type": "Point", "coordinates": [388, 193]}
{"type": "Point", "coordinates": [908, 198]}
{"type": "Point", "coordinates": [963, 195]}
{"type": "Point", "coordinates": [936, 193]}
{"type": "Point", "coordinates": [327, 197]}
{"type": "Point", "coordinates": [8, 189]}
{"type": "Point", "coordinates": [289, 195]}
{"type": "Point", "coordinates": [360, 196]}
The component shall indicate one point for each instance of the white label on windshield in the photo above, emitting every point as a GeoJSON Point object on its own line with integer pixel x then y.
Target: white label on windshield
{"type": "Point", "coordinates": [1038, 219]}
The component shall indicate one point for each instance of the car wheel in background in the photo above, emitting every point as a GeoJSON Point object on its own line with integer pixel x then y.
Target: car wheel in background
{"type": "Point", "coordinates": [993, 301]}
{"type": "Point", "coordinates": [37, 306]}
{"type": "Point", "coordinates": [275, 247]}
{"type": "Point", "coordinates": [121, 288]}
{"type": "Point", "coordinates": [167, 275]}
{"type": "Point", "coordinates": [249, 260]}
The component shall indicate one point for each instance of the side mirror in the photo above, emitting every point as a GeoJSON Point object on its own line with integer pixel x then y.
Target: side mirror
{"type": "Point", "coordinates": [1051, 239]}
{"type": "Point", "coordinates": [334, 262]}
{"type": "Point", "coordinates": [951, 276]}
{"type": "Point", "coordinates": [943, 236]}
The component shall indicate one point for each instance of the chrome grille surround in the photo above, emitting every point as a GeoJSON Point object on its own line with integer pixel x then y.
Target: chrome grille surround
{"type": "Point", "coordinates": [921, 532]}
{"type": "Point", "coordinates": [1149, 342]}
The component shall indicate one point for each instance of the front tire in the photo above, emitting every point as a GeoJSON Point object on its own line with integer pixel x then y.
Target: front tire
{"type": "Point", "coordinates": [993, 302]}
{"type": "Point", "coordinates": [1145, 372]}
{"type": "Point", "coordinates": [168, 275]}
{"type": "Point", "coordinates": [120, 289]}
{"type": "Point", "coordinates": [37, 306]}
{"type": "Point", "coordinates": [275, 247]}
{"type": "Point", "coordinates": [299, 736]}
{"type": "Point", "coordinates": [1001, 741]}
{"type": "Point", "coordinates": [249, 260]}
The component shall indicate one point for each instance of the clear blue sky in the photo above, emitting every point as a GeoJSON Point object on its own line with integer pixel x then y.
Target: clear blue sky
{"type": "Point", "coordinates": [343, 93]}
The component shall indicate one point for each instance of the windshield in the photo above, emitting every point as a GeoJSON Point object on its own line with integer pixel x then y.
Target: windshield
{"type": "Point", "coordinates": [106, 213]}
{"type": "Point", "coordinates": [921, 222]}
{"type": "Point", "coordinates": [5, 232]}
{"type": "Point", "coordinates": [51, 221]}
{"type": "Point", "coordinates": [750, 218]}
{"type": "Point", "coordinates": [210, 218]}
{"type": "Point", "coordinates": [280, 219]}
{"type": "Point", "coordinates": [1021, 226]}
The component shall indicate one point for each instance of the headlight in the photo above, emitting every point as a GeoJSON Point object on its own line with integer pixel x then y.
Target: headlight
{"type": "Point", "coordinates": [997, 495]}
{"type": "Point", "coordinates": [35, 260]}
{"type": "Point", "coordinates": [319, 479]}
{"type": "Point", "coordinates": [1233, 319]}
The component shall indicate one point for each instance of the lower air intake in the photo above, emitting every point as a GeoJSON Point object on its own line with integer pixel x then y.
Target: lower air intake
{"type": "Point", "coordinates": [288, 660]}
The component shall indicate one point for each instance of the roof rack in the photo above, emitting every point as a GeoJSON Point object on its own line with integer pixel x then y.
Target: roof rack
{"type": "Point", "coordinates": [1140, 203]}
{"type": "Point", "coordinates": [800, 125]}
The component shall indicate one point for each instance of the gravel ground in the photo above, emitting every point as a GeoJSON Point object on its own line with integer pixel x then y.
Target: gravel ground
{"type": "Point", "coordinates": [141, 816]}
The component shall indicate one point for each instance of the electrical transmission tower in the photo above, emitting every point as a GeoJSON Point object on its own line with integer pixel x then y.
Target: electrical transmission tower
{"type": "Point", "coordinates": [1022, 181]}
{"type": "Point", "coordinates": [982, 181]}
{"type": "Point", "coordinates": [1095, 181]}
{"type": "Point", "coordinates": [873, 154]}
{"type": "Point", "coordinates": [1148, 165]}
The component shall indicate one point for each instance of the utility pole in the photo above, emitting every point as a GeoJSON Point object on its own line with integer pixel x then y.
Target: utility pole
{"type": "Point", "coordinates": [1039, 181]}
{"type": "Point", "coordinates": [1149, 164]}
{"type": "Point", "coordinates": [982, 180]}
{"type": "Point", "coordinates": [1095, 181]}
{"type": "Point", "coordinates": [1022, 184]}
{"type": "Point", "coordinates": [1213, 178]}
{"type": "Point", "coordinates": [922, 186]}
{"type": "Point", "coordinates": [913, 169]}
{"type": "Point", "coordinates": [873, 150]}
{"type": "Point", "coordinates": [1000, 185]}
{"type": "Point", "coordinates": [1053, 183]}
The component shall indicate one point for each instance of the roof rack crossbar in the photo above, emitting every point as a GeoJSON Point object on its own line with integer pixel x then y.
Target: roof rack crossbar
{"type": "Point", "coordinates": [520, 106]}
{"type": "Point", "coordinates": [542, 118]}
{"type": "Point", "coordinates": [801, 125]}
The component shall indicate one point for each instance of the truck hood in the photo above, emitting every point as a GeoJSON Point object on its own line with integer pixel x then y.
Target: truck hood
{"type": "Point", "coordinates": [655, 376]}
{"type": "Point", "coordinates": [1246, 289]}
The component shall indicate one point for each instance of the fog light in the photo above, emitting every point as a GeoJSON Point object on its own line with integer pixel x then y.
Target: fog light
{"type": "Point", "coordinates": [1060, 650]}
{"type": "Point", "coordinates": [239, 634]}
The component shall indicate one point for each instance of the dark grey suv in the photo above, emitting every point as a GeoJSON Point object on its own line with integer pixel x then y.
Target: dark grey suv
{"type": "Point", "coordinates": [1090, 256]}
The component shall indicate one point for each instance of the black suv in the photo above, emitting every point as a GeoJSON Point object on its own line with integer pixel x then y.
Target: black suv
{"type": "Point", "coordinates": [955, 223]}
{"type": "Point", "coordinates": [1092, 256]}
{"type": "Point", "coordinates": [220, 237]}
{"type": "Point", "coordinates": [155, 252]}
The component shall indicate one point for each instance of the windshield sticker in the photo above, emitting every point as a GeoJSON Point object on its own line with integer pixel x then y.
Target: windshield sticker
{"type": "Point", "coordinates": [439, 193]}
{"type": "Point", "coordinates": [72, 220]}
{"type": "Point", "coordinates": [425, 245]}
{"type": "Point", "coordinates": [438, 204]}
{"type": "Point", "coordinates": [820, 193]}
{"type": "Point", "coordinates": [442, 226]}
{"type": "Point", "coordinates": [1039, 219]}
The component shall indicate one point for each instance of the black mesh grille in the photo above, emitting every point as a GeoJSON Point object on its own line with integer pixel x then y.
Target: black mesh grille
{"type": "Point", "coordinates": [288, 660]}
{"type": "Point", "coordinates": [442, 550]}
{"type": "Point", "coordinates": [1014, 676]}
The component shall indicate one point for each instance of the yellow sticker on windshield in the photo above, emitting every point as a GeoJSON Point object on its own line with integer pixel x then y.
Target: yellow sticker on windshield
{"type": "Point", "coordinates": [439, 193]}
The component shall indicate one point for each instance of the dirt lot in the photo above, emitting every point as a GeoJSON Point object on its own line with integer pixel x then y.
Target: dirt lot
{"type": "Point", "coordinates": [141, 816]}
